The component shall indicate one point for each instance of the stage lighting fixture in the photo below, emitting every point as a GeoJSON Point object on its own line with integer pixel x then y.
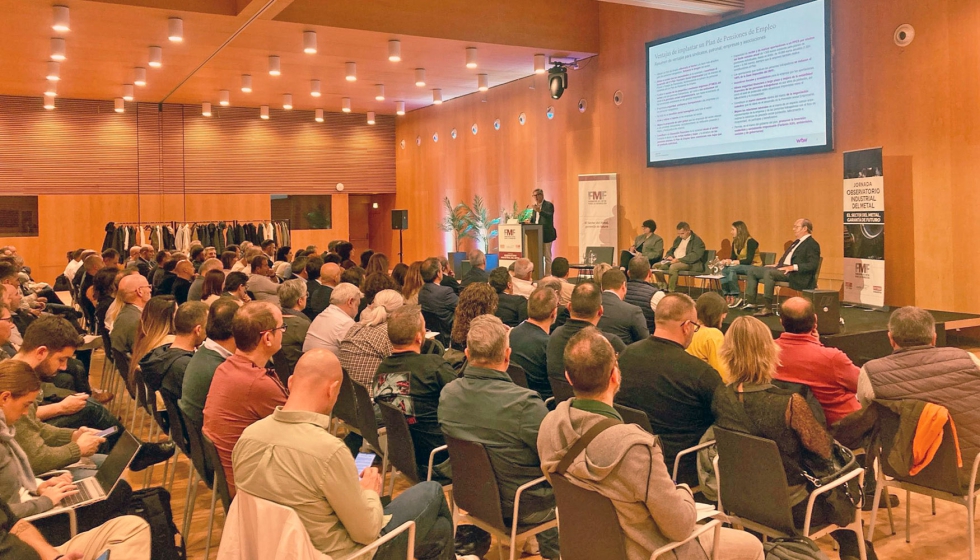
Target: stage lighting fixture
{"type": "Point", "coordinates": [557, 80]}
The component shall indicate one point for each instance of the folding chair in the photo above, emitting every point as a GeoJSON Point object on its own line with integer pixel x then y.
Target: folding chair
{"type": "Point", "coordinates": [401, 449]}
{"type": "Point", "coordinates": [517, 375]}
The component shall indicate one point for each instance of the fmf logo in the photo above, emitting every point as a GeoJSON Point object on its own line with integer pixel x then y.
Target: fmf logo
{"type": "Point", "coordinates": [510, 231]}
{"type": "Point", "coordinates": [862, 269]}
{"type": "Point", "coordinates": [597, 196]}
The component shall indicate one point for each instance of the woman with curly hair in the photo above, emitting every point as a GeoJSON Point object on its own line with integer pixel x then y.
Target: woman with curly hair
{"type": "Point", "coordinates": [475, 300]}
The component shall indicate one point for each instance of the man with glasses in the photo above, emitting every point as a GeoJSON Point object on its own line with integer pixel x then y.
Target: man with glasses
{"type": "Point", "coordinates": [135, 292]}
{"type": "Point", "coordinates": [244, 390]}
{"type": "Point", "coordinates": [798, 266]}
{"type": "Point", "coordinates": [6, 327]}
{"type": "Point", "coordinates": [674, 388]}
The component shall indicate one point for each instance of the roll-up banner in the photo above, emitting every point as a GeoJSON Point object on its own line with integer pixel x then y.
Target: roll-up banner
{"type": "Point", "coordinates": [597, 200]}
{"type": "Point", "coordinates": [510, 243]}
{"type": "Point", "coordinates": [864, 228]}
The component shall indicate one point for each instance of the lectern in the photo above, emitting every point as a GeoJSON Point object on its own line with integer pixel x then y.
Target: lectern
{"type": "Point", "coordinates": [533, 238]}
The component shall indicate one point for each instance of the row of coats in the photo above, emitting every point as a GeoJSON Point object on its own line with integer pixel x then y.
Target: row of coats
{"type": "Point", "coordinates": [217, 234]}
{"type": "Point", "coordinates": [123, 237]}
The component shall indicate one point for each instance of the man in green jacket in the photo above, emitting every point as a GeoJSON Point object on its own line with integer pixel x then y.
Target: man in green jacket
{"type": "Point", "coordinates": [687, 253]}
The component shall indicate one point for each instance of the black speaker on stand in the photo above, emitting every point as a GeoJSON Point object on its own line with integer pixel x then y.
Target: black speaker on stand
{"type": "Point", "coordinates": [399, 221]}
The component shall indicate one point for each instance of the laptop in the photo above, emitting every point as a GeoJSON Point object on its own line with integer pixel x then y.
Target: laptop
{"type": "Point", "coordinates": [98, 487]}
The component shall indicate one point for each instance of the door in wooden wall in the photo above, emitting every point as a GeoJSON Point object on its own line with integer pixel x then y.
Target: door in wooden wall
{"type": "Point", "coordinates": [360, 226]}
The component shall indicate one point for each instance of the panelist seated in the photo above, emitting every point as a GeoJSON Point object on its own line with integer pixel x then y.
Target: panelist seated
{"type": "Point", "coordinates": [648, 244]}
{"type": "Point", "coordinates": [798, 266]}
{"type": "Point", "coordinates": [687, 253]}
{"type": "Point", "coordinates": [745, 255]}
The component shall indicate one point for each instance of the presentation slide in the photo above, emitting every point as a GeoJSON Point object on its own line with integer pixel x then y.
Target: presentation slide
{"type": "Point", "coordinates": [758, 86]}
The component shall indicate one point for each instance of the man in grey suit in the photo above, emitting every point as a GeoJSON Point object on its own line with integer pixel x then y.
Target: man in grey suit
{"type": "Point", "coordinates": [135, 293]}
{"type": "Point", "coordinates": [619, 318]}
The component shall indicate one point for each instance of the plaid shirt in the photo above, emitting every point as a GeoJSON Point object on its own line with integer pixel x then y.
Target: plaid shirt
{"type": "Point", "coordinates": [362, 351]}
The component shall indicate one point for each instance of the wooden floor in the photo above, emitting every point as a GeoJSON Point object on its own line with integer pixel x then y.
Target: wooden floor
{"type": "Point", "coordinates": [939, 537]}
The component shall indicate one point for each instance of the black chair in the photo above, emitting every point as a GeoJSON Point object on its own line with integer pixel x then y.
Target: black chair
{"type": "Point", "coordinates": [634, 416]}
{"type": "Point", "coordinates": [368, 424]}
{"type": "Point", "coordinates": [346, 408]}
{"type": "Point", "coordinates": [590, 527]}
{"type": "Point", "coordinates": [709, 255]}
{"type": "Point", "coordinates": [517, 375]}
{"type": "Point", "coordinates": [219, 487]}
{"type": "Point", "coordinates": [178, 432]}
{"type": "Point", "coordinates": [401, 448]}
{"type": "Point", "coordinates": [752, 489]}
{"type": "Point", "coordinates": [562, 390]}
{"type": "Point", "coordinates": [941, 479]}
{"type": "Point", "coordinates": [435, 324]}
{"type": "Point", "coordinates": [477, 496]}
{"type": "Point", "coordinates": [203, 469]}
{"type": "Point", "coordinates": [780, 285]}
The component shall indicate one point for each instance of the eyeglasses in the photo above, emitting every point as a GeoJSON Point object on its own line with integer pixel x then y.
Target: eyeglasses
{"type": "Point", "coordinates": [279, 328]}
{"type": "Point", "coordinates": [11, 319]}
{"type": "Point", "coordinates": [697, 327]}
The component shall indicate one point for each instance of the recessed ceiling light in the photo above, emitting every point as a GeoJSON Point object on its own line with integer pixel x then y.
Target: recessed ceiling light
{"type": "Point", "coordinates": [315, 88]}
{"type": "Point", "coordinates": [57, 49]}
{"type": "Point", "coordinates": [205, 109]}
{"type": "Point", "coordinates": [287, 101]}
{"type": "Point", "coordinates": [539, 64]}
{"type": "Point", "coordinates": [139, 76]}
{"type": "Point", "coordinates": [176, 29]}
{"type": "Point", "coordinates": [471, 57]}
{"type": "Point", "coordinates": [60, 21]}
{"type": "Point", "coordinates": [120, 105]}
{"type": "Point", "coordinates": [399, 107]}
{"type": "Point", "coordinates": [350, 71]}
{"type": "Point", "coordinates": [420, 77]}
{"type": "Point", "coordinates": [264, 112]}
{"type": "Point", "coordinates": [54, 71]}
{"type": "Point", "coordinates": [224, 98]}
{"type": "Point", "coordinates": [48, 101]}
{"type": "Point", "coordinates": [129, 92]}
{"type": "Point", "coordinates": [345, 104]}
{"type": "Point", "coordinates": [394, 50]}
{"type": "Point", "coordinates": [379, 92]}
{"type": "Point", "coordinates": [246, 83]}
{"type": "Point", "coordinates": [309, 42]}
{"type": "Point", "coordinates": [319, 115]}
{"type": "Point", "coordinates": [156, 57]}
{"type": "Point", "coordinates": [482, 82]}
{"type": "Point", "coordinates": [51, 88]}
{"type": "Point", "coordinates": [370, 117]}
{"type": "Point", "coordinates": [274, 69]}
{"type": "Point", "coordinates": [437, 96]}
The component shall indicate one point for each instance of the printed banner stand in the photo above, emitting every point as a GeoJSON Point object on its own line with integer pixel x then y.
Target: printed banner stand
{"type": "Point", "coordinates": [598, 197]}
{"type": "Point", "coordinates": [510, 243]}
{"type": "Point", "coordinates": [864, 228]}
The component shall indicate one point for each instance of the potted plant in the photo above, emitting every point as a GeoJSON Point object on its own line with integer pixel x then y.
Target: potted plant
{"type": "Point", "coordinates": [484, 227]}
{"type": "Point", "coordinates": [457, 221]}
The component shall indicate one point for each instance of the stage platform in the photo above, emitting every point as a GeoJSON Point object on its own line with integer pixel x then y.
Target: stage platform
{"type": "Point", "coordinates": [864, 334]}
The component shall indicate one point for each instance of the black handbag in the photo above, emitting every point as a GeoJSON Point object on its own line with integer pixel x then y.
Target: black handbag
{"type": "Point", "coordinates": [840, 503]}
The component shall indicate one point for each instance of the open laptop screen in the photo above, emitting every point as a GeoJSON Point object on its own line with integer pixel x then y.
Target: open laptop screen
{"type": "Point", "coordinates": [119, 458]}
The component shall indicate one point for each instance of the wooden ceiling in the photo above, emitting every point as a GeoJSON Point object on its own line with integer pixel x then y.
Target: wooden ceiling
{"type": "Point", "coordinates": [108, 39]}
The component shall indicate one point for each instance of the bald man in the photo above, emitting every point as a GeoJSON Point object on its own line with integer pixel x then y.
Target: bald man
{"type": "Point", "coordinates": [319, 299]}
{"type": "Point", "coordinates": [292, 459]}
{"type": "Point", "coordinates": [182, 284]}
{"type": "Point", "coordinates": [135, 292]}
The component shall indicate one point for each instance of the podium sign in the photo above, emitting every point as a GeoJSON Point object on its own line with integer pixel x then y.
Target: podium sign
{"type": "Point", "coordinates": [510, 243]}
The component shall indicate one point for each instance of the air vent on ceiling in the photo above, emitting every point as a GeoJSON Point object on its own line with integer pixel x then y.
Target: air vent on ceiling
{"type": "Point", "coordinates": [701, 7]}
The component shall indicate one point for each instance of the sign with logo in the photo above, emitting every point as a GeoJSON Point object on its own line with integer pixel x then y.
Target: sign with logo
{"type": "Point", "coordinates": [864, 228]}
{"type": "Point", "coordinates": [598, 219]}
{"type": "Point", "coordinates": [510, 243]}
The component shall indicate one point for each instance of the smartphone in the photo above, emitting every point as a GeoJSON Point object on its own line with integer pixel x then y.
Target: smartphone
{"type": "Point", "coordinates": [105, 555]}
{"type": "Point", "coordinates": [363, 461]}
{"type": "Point", "coordinates": [106, 433]}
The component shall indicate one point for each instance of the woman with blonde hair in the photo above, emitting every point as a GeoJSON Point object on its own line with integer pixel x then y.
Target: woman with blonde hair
{"type": "Point", "coordinates": [413, 283]}
{"type": "Point", "coordinates": [475, 300]}
{"type": "Point", "coordinates": [156, 328]}
{"type": "Point", "coordinates": [366, 343]}
{"type": "Point", "coordinates": [751, 404]}
{"type": "Point", "coordinates": [598, 271]}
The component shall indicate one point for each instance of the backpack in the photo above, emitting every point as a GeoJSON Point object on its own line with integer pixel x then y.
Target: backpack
{"type": "Point", "coordinates": [153, 505]}
{"type": "Point", "coordinates": [793, 548]}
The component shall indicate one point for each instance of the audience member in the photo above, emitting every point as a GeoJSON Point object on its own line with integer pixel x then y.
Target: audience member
{"type": "Point", "coordinates": [398, 274]}
{"type": "Point", "coordinates": [555, 285]}
{"type": "Point", "coordinates": [212, 286]}
{"type": "Point", "coordinates": [624, 463]}
{"type": "Point", "coordinates": [244, 390]}
{"type": "Point", "coordinates": [412, 284]}
{"type": "Point", "coordinates": [228, 260]}
{"type": "Point", "coordinates": [269, 248]}
{"type": "Point", "coordinates": [478, 269]}
{"type": "Point", "coordinates": [366, 344]}
{"type": "Point", "coordinates": [282, 266]}
{"type": "Point", "coordinates": [374, 283]}
{"type": "Point", "coordinates": [344, 250]}
{"type": "Point", "coordinates": [292, 296]}
{"type": "Point", "coordinates": [597, 272]}
{"type": "Point", "coordinates": [473, 302]}
{"type": "Point", "coordinates": [378, 263]}
{"type": "Point", "coordinates": [236, 287]}
{"type": "Point", "coordinates": [156, 329]}
{"type": "Point", "coordinates": [711, 310]}
{"type": "Point", "coordinates": [585, 311]}
{"type": "Point", "coordinates": [485, 406]}
{"type": "Point", "coordinates": [261, 284]}
{"type": "Point", "coordinates": [522, 284]}
{"type": "Point", "coordinates": [135, 293]}
{"type": "Point", "coordinates": [674, 388]}
{"type": "Point", "coordinates": [218, 346]}
{"type": "Point", "coordinates": [164, 366]}
{"type": "Point", "coordinates": [110, 257]}
{"type": "Point", "coordinates": [529, 340]}
{"type": "Point", "coordinates": [328, 276]}
{"type": "Point", "coordinates": [559, 271]}
{"type": "Point", "coordinates": [448, 276]}
{"type": "Point", "coordinates": [511, 309]}
{"type": "Point", "coordinates": [435, 299]}
{"type": "Point", "coordinates": [413, 381]}
{"type": "Point", "coordinates": [687, 254]}
{"type": "Point", "coordinates": [331, 326]}
{"type": "Point", "coordinates": [353, 275]}
{"type": "Point", "coordinates": [166, 285]}
{"type": "Point", "coordinates": [197, 257]}
{"type": "Point", "coordinates": [641, 292]}
{"type": "Point", "coordinates": [290, 458]}
{"type": "Point", "coordinates": [196, 291]}
{"type": "Point", "coordinates": [182, 284]}
{"type": "Point", "coordinates": [622, 319]}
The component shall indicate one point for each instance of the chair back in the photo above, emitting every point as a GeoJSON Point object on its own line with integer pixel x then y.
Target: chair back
{"type": "Point", "coordinates": [139, 384]}
{"type": "Point", "coordinates": [475, 483]}
{"type": "Point", "coordinates": [816, 275]}
{"type": "Point", "coordinates": [589, 525]}
{"type": "Point", "coordinates": [366, 420]}
{"type": "Point", "coordinates": [211, 456]}
{"type": "Point", "coordinates": [752, 480]}
{"type": "Point", "coordinates": [942, 473]}
{"type": "Point", "coordinates": [435, 324]}
{"type": "Point", "coordinates": [401, 449]}
{"type": "Point", "coordinates": [562, 390]}
{"type": "Point", "coordinates": [767, 258]}
{"type": "Point", "coordinates": [346, 407]}
{"type": "Point", "coordinates": [709, 255]}
{"type": "Point", "coordinates": [121, 360]}
{"type": "Point", "coordinates": [634, 416]}
{"type": "Point", "coordinates": [178, 429]}
{"type": "Point", "coordinates": [195, 439]}
{"type": "Point", "coordinates": [596, 255]}
{"type": "Point", "coordinates": [517, 375]}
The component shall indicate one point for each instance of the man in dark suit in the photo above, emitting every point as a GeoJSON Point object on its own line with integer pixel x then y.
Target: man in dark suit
{"type": "Point", "coordinates": [586, 311]}
{"type": "Point", "coordinates": [544, 215]}
{"type": "Point", "coordinates": [511, 309]}
{"type": "Point", "coordinates": [448, 276]}
{"type": "Point", "coordinates": [687, 253]}
{"type": "Point", "coordinates": [622, 319]}
{"type": "Point", "coordinates": [435, 299]}
{"type": "Point", "coordinates": [798, 266]}
{"type": "Point", "coordinates": [478, 271]}
{"type": "Point", "coordinates": [329, 277]}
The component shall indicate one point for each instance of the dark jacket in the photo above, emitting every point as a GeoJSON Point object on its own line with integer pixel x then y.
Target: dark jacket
{"type": "Point", "coordinates": [546, 218]}
{"type": "Point", "coordinates": [622, 319]}
{"type": "Point", "coordinates": [807, 259]}
{"type": "Point", "coordinates": [164, 368]}
{"type": "Point", "coordinates": [639, 293]}
{"type": "Point", "coordinates": [559, 340]}
{"type": "Point", "coordinates": [197, 382]}
{"type": "Point", "coordinates": [695, 255]}
{"type": "Point", "coordinates": [124, 329]}
{"type": "Point", "coordinates": [317, 299]}
{"type": "Point", "coordinates": [166, 285]}
{"type": "Point", "coordinates": [675, 389]}
{"type": "Point", "coordinates": [439, 301]}
{"type": "Point", "coordinates": [475, 275]}
{"type": "Point", "coordinates": [292, 343]}
{"type": "Point", "coordinates": [450, 282]}
{"type": "Point", "coordinates": [511, 309]}
{"type": "Point", "coordinates": [180, 290]}
{"type": "Point", "coordinates": [529, 349]}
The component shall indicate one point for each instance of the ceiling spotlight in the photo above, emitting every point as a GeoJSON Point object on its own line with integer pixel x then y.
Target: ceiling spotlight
{"type": "Point", "coordinates": [57, 49]}
{"type": "Point", "coordinates": [399, 107]}
{"type": "Point", "coordinates": [345, 105]}
{"type": "Point", "coordinates": [539, 63]}
{"type": "Point", "coordinates": [471, 57]}
{"type": "Point", "coordinates": [309, 42]}
{"type": "Point", "coordinates": [205, 109]}
{"type": "Point", "coordinates": [264, 112]}
{"type": "Point", "coordinates": [156, 57]}
{"type": "Point", "coordinates": [319, 115]}
{"type": "Point", "coordinates": [51, 89]}
{"type": "Point", "coordinates": [350, 71]}
{"type": "Point", "coordinates": [176, 26]}
{"type": "Point", "coordinates": [120, 105]}
{"type": "Point", "coordinates": [420, 77]}
{"type": "Point", "coordinates": [274, 65]}
{"type": "Point", "coordinates": [48, 102]}
{"type": "Point", "coordinates": [437, 96]}
{"type": "Point", "coordinates": [557, 80]}
{"type": "Point", "coordinates": [246, 83]}
{"type": "Point", "coordinates": [60, 21]}
{"type": "Point", "coordinates": [139, 76]}
{"type": "Point", "coordinates": [287, 101]}
{"type": "Point", "coordinates": [394, 50]}
{"type": "Point", "coordinates": [315, 88]}
{"type": "Point", "coordinates": [483, 82]}
{"type": "Point", "coordinates": [129, 92]}
{"type": "Point", "coordinates": [54, 71]}
{"type": "Point", "coordinates": [379, 92]}
{"type": "Point", "coordinates": [224, 98]}
{"type": "Point", "coordinates": [370, 117]}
